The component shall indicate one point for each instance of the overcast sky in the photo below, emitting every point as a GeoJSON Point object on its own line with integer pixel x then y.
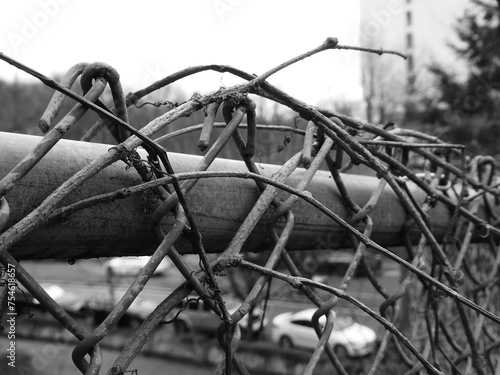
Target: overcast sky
{"type": "Point", "coordinates": [149, 39]}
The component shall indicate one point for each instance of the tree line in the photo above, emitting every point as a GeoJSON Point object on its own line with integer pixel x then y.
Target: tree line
{"type": "Point", "coordinates": [24, 102]}
{"type": "Point", "coordinates": [467, 111]}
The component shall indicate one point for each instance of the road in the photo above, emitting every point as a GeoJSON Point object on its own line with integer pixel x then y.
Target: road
{"type": "Point", "coordinates": [87, 278]}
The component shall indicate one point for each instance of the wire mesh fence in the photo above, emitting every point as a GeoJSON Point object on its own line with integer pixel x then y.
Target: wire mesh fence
{"type": "Point", "coordinates": [444, 317]}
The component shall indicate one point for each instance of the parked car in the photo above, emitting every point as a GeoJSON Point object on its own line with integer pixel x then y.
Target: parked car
{"type": "Point", "coordinates": [131, 266]}
{"type": "Point", "coordinates": [94, 309]}
{"type": "Point", "coordinates": [348, 338]}
{"type": "Point", "coordinates": [69, 301]}
{"type": "Point", "coordinates": [197, 316]}
{"type": "Point", "coordinates": [336, 261]}
{"type": "Point", "coordinates": [100, 307]}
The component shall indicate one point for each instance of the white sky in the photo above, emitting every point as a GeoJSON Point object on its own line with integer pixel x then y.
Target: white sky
{"type": "Point", "coordinates": [149, 39]}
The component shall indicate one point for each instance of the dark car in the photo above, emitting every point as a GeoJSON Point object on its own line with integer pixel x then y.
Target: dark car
{"type": "Point", "coordinates": [335, 261]}
{"type": "Point", "coordinates": [194, 315]}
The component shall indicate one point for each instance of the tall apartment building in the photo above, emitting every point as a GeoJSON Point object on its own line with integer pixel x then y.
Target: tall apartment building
{"type": "Point", "coordinates": [423, 30]}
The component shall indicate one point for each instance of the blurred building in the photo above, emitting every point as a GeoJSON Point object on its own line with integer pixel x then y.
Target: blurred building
{"type": "Point", "coordinates": [422, 29]}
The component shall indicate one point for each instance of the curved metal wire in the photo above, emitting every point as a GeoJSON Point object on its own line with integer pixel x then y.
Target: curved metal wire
{"type": "Point", "coordinates": [455, 333]}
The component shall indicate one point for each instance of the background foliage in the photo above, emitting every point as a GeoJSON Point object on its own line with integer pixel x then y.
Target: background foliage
{"type": "Point", "coordinates": [467, 111]}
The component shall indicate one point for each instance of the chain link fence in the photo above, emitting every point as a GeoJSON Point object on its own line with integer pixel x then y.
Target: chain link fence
{"type": "Point", "coordinates": [444, 317]}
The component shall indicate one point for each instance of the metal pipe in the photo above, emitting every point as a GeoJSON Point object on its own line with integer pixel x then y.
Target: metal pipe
{"type": "Point", "coordinates": [219, 206]}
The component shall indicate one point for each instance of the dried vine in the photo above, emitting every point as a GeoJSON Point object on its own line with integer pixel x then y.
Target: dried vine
{"type": "Point", "coordinates": [460, 330]}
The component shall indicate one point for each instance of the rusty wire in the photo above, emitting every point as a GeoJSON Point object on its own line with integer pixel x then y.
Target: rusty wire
{"type": "Point", "coordinates": [452, 280]}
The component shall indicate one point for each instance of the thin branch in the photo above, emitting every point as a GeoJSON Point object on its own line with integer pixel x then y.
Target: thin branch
{"type": "Point", "coordinates": [189, 129]}
{"type": "Point", "coordinates": [379, 51]}
{"type": "Point", "coordinates": [329, 43]}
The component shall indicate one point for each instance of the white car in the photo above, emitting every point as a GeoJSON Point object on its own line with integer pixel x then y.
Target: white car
{"type": "Point", "coordinates": [348, 338]}
{"type": "Point", "coordinates": [131, 266]}
{"type": "Point", "coordinates": [69, 301]}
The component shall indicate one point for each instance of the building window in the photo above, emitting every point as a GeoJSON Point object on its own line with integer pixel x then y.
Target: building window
{"type": "Point", "coordinates": [409, 41]}
{"type": "Point", "coordinates": [408, 18]}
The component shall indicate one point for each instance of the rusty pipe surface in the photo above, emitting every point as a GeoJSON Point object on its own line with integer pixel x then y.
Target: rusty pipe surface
{"type": "Point", "coordinates": [219, 206]}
